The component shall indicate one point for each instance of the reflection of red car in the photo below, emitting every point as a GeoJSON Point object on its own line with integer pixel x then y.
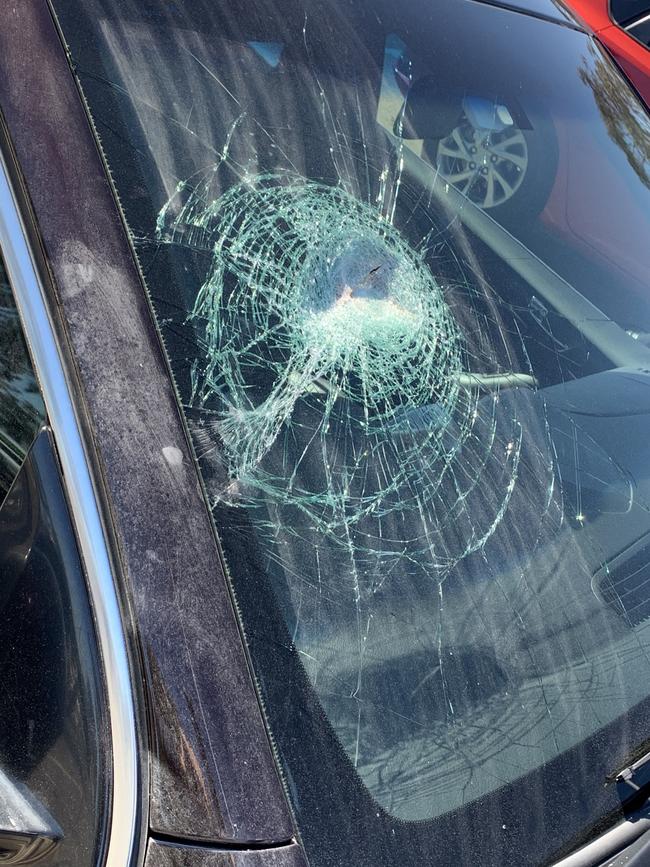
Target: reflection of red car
{"type": "Point", "coordinates": [574, 202]}
{"type": "Point", "coordinates": [553, 204]}
{"type": "Point", "coordinates": [631, 55]}
{"type": "Point", "coordinates": [543, 186]}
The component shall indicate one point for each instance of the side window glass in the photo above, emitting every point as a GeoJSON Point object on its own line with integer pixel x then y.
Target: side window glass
{"type": "Point", "coordinates": [54, 784]}
{"type": "Point", "coordinates": [21, 407]}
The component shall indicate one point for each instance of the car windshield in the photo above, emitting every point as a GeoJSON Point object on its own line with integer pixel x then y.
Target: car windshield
{"type": "Point", "coordinates": [398, 256]}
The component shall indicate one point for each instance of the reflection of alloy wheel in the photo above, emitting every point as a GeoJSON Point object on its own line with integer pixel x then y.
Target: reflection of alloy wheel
{"type": "Point", "coordinates": [508, 172]}
{"type": "Point", "coordinates": [488, 166]}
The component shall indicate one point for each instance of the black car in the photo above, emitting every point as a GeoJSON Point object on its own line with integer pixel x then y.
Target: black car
{"type": "Point", "coordinates": [324, 436]}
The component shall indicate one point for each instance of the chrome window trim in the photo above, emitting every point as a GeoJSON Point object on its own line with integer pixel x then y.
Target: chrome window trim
{"type": "Point", "coordinates": [30, 300]}
{"type": "Point", "coordinates": [609, 845]}
{"type": "Point", "coordinates": [630, 27]}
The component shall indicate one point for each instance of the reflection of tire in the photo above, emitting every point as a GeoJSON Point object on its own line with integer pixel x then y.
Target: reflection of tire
{"type": "Point", "coordinates": [507, 172]}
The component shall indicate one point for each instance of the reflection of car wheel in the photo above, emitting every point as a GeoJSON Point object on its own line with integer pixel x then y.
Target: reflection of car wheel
{"type": "Point", "coordinates": [508, 172]}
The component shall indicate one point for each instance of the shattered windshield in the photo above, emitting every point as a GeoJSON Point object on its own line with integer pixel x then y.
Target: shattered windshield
{"type": "Point", "coordinates": [398, 257]}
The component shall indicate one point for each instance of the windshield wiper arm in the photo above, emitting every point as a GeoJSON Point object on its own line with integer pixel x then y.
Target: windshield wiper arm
{"type": "Point", "coordinates": [633, 782]}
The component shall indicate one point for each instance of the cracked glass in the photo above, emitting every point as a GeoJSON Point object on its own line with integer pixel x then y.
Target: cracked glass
{"type": "Point", "coordinates": [397, 254]}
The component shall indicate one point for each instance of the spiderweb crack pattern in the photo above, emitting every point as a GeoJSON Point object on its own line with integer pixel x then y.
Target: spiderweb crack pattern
{"type": "Point", "coordinates": [370, 430]}
{"type": "Point", "coordinates": [316, 309]}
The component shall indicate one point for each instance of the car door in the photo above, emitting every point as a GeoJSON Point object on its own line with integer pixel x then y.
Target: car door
{"type": "Point", "coordinates": [58, 762]}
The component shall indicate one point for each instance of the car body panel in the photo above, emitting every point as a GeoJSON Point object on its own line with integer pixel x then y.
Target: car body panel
{"type": "Point", "coordinates": [212, 774]}
{"type": "Point", "coordinates": [594, 13]}
{"type": "Point", "coordinates": [631, 55]}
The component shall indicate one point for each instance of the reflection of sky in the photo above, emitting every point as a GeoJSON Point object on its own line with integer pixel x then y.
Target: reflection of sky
{"type": "Point", "coordinates": [271, 52]}
{"type": "Point", "coordinates": [391, 98]}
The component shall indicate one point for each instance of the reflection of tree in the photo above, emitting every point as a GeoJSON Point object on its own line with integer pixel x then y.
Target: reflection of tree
{"type": "Point", "coordinates": [624, 116]}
